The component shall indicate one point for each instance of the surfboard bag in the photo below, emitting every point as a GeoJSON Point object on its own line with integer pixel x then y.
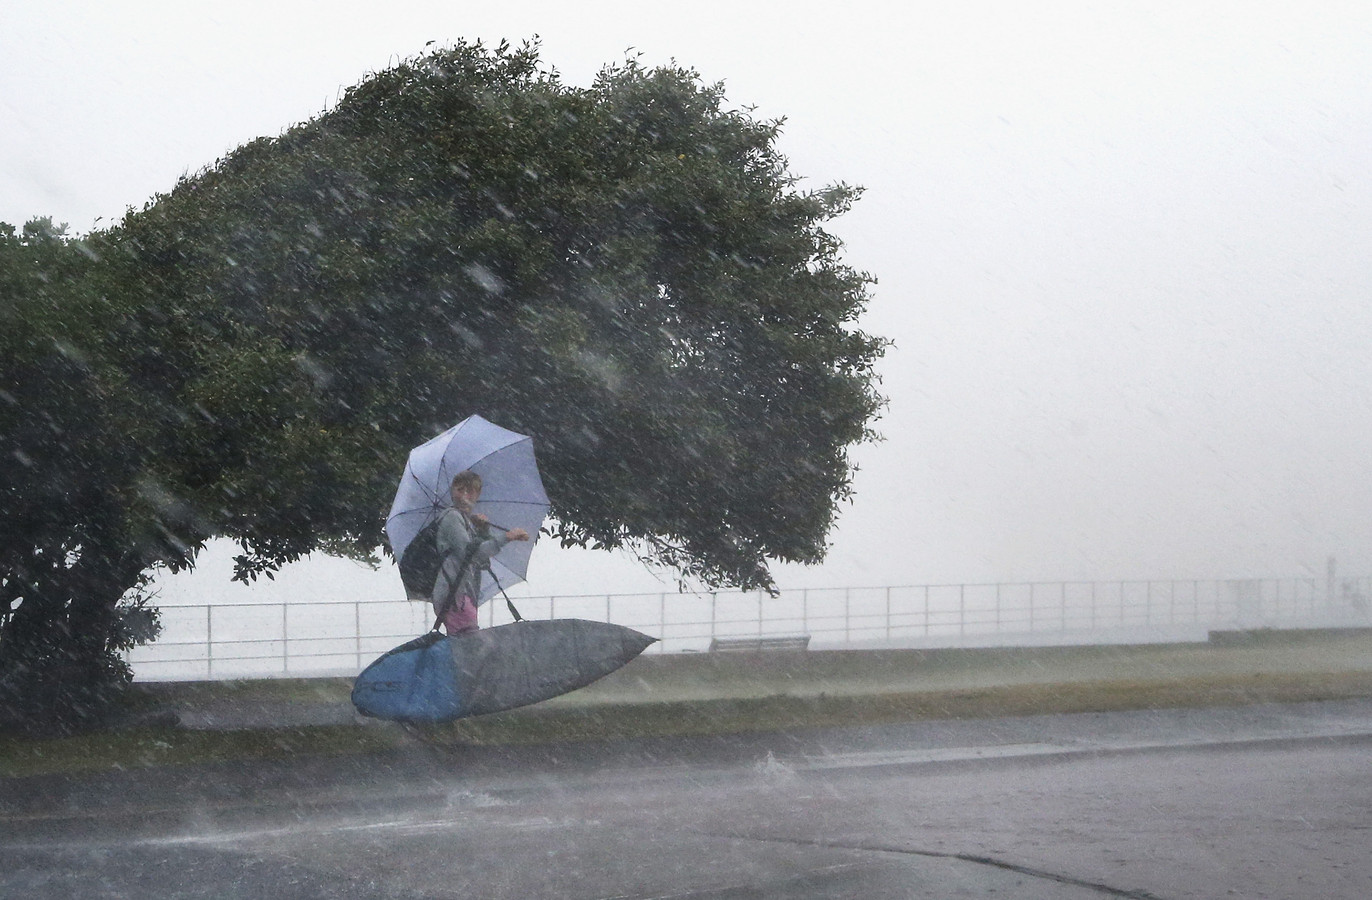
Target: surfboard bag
{"type": "Point", "coordinates": [411, 683]}
{"type": "Point", "coordinates": [436, 678]}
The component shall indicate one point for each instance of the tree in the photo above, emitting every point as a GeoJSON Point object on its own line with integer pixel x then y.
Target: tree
{"type": "Point", "coordinates": [626, 271]}
{"type": "Point", "coordinates": [69, 598]}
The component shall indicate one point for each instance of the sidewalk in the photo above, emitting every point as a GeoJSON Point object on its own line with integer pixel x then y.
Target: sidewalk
{"type": "Point", "coordinates": [1234, 668]}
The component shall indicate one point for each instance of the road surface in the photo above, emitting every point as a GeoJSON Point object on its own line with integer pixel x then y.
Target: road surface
{"type": "Point", "coordinates": [1256, 802]}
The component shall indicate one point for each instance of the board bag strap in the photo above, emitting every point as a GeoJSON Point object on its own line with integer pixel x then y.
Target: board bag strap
{"type": "Point", "coordinates": [508, 602]}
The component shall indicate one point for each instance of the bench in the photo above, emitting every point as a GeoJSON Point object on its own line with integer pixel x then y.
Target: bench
{"type": "Point", "coordinates": [752, 644]}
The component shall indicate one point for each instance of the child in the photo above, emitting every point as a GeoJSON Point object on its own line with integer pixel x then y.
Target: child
{"type": "Point", "coordinates": [456, 587]}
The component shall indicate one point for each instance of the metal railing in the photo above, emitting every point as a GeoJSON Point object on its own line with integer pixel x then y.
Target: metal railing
{"type": "Point", "coordinates": [312, 638]}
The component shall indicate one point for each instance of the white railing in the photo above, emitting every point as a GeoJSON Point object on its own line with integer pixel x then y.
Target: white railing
{"type": "Point", "coordinates": [315, 638]}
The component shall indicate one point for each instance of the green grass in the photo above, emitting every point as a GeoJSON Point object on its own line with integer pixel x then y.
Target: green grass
{"type": "Point", "coordinates": [782, 712]}
{"type": "Point", "coordinates": [163, 746]}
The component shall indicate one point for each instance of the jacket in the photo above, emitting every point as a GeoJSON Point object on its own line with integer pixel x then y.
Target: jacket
{"type": "Point", "coordinates": [456, 532]}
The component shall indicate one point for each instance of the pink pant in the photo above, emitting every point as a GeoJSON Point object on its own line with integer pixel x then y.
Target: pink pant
{"type": "Point", "coordinates": [461, 616]}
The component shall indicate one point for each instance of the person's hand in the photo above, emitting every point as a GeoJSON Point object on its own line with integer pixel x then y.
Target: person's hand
{"type": "Point", "coordinates": [517, 534]}
{"type": "Point", "coordinates": [479, 519]}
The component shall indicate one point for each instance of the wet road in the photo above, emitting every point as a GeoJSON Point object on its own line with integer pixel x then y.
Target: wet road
{"type": "Point", "coordinates": [1256, 802]}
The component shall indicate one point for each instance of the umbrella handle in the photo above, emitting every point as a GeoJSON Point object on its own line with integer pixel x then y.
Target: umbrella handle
{"type": "Point", "coordinates": [496, 525]}
{"type": "Point", "coordinates": [484, 520]}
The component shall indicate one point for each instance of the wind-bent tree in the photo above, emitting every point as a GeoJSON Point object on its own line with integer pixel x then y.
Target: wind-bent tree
{"type": "Point", "coordinates": [68, 465]}
{"type": "Point", "coordinates": [627, 272]}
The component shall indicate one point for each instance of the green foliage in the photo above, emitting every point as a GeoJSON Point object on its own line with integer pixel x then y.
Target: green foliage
{"type": "Point", "coordinates": [63, 463]}
{"type": "Point", "coordinates": [626, 271]}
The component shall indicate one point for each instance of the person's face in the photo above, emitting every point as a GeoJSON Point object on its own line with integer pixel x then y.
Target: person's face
{"type": "Point", "coordinates": [465, 497]}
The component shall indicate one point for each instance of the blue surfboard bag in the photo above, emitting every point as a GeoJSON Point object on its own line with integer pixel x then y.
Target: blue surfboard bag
{"type": "Point", "coordinates": [415, 682]}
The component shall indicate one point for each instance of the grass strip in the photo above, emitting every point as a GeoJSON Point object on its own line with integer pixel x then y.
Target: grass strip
{"type": "Point", "coordinates": [780, 713]}
{"type": "Point", "coordinates": [164, 746]}
{"type": "Point", "coordinates": [170, 746]}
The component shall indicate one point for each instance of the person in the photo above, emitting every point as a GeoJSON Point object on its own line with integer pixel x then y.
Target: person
{"type": "Point", "coordinates": [458, 527]}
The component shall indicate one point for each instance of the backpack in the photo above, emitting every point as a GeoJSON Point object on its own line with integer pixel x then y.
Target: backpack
{"type": "Point", "coordinates": [420, 564]}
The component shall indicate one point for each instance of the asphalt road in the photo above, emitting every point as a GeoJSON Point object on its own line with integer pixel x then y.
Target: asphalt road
{"type": "Point", "coordinates": [1256, 802]}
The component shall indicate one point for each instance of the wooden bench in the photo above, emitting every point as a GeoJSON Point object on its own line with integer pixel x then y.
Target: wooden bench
{"type": "Point", "coordinates": [753, 644]}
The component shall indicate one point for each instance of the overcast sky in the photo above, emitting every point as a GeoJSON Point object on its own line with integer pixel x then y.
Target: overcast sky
{"type": "Point", "coordinates": [1122, 249]}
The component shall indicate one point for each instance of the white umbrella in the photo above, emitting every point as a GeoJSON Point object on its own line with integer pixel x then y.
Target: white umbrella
{"type": "Point", "coordinates": [512, 495]}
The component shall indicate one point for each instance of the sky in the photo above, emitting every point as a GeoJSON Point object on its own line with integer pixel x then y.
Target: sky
{"type": "Point", "coordinates": [1121, 249]}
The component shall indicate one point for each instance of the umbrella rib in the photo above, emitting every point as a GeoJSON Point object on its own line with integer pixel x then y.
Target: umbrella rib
{"type": "Point", "coordinates": [409, 470]}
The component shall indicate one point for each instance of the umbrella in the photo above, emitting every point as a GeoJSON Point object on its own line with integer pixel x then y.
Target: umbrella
{"type": "Point", "coordinates": [512, 494]}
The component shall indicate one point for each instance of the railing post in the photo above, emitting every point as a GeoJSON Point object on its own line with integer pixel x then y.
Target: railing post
{"type": "Point", "coordinates": [847, 616]}
{"type": "Point", "coordinates": [962, 610]}
{"type": "Point", "coordinates": [357, 631]}
{"type": "Point", "coordinates": [209, 641]}
{"type": "Point", "coordinates": [805, 610]}
{"type": "Point", "coordinates": [759, 612]}
{"type": "Point", "coordinates": [285, 645]}
{"type": "Point", "coordinates": [888, 614]}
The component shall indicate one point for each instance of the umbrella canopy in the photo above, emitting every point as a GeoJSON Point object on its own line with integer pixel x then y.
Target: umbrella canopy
{"type": "Point", "coordinates": [512, 494]}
